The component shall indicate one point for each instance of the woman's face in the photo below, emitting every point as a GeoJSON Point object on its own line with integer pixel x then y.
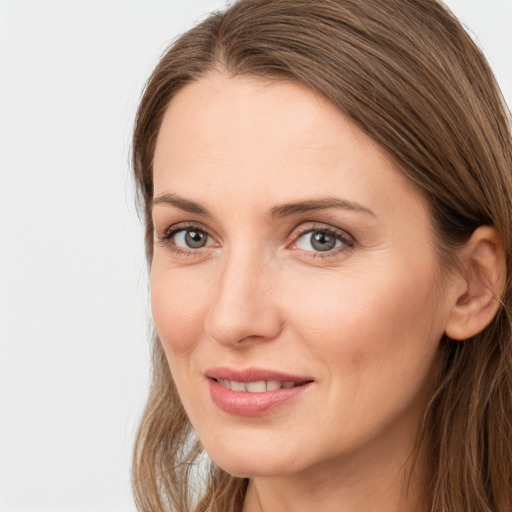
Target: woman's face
{"type": "Point", "coordinates": [294, 283]}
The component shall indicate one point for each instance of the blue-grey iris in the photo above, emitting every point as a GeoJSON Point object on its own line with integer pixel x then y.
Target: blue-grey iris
{"type": "Point", "coordinates": [195, 239]}
{"type": "Point", "coordinates": [322, 241]}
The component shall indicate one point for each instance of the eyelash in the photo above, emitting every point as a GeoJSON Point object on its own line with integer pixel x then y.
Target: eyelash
{"type": "Point", "coordinates": [347, 241]}
{"type": "Point", "coordinates": [166, 240]}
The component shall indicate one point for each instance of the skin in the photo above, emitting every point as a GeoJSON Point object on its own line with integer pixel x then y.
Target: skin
{"type": "Point", "coordinates": [363, 320]}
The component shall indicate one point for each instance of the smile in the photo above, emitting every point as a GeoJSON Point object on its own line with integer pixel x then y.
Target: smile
{"type": "Point", "coordinates": [259, 386]}
{"type": "Point", "coordinates": [253, 392]}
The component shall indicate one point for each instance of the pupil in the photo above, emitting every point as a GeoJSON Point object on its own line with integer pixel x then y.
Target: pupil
{"type": "Point", "coordinates": [195, 239]}
{"type": "Point", "coordinates": [322, 241]}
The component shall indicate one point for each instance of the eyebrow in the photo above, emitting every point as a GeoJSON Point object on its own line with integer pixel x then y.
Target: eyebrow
{"type": "Point", "coordinates": [277, 211]}
{"type": "Point", "coordinates": [183, 204]}
{"type": "Point", "coordinates": [318, 204]}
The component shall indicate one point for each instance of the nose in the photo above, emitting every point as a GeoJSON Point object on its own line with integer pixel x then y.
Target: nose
{"type": "Point", "coordinates": [244, 303]}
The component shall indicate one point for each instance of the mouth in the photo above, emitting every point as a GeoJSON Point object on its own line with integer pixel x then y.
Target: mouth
{"type": "Point", "coordinates": [258, 386]}
{"type": "Point", "coordinates": [253, 392]}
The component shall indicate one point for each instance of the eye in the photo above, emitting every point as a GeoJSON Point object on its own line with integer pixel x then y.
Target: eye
{"type": "Point", "coordinates": [318, 241]}
{"type": "Point", "coordinates": [185, 239]}
{"type": "Point", "coordinates": [190, 239]}
{"type": "Point", "coordinates": [322, 240]}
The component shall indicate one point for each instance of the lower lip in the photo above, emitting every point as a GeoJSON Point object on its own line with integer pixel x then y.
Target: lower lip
{"type": "Point", "coordinates": [244, 403]}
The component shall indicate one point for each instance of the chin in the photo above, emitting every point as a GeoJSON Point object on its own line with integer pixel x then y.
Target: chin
{"type": "Point", "coordinates": [258, 461]}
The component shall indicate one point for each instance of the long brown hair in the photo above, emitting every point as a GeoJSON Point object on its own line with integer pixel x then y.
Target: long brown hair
{"type": "Point", "coordinates": [409, 75]}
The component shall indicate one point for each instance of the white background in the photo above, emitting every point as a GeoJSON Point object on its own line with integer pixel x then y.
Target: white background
{"type": "Point", "coordinates": [73, 286]}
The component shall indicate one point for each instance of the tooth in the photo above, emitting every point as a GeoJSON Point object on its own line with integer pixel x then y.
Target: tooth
{"type": "Point", "coordinates": [237, 386]}
{"type": "Point", "coordinates": [256, 387]}
{"type": "Point", "coordinates": [288, 384]}
{"type": "Point", "coordinates": [225, 383]}
{"type": "Point", "coordinates": [273, 385]}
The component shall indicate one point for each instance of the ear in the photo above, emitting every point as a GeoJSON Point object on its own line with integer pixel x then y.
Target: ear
{"type": "Point", "coordinates": [479, 286]}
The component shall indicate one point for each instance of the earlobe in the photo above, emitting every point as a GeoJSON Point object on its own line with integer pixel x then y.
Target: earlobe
{"type": "Point", "coordinates": [483, 282]}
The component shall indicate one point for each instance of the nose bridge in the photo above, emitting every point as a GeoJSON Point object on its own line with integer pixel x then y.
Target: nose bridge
{"type": "Point", "coordinates": [241, 307]}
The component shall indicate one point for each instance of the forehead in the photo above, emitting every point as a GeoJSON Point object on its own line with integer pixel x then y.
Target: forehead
{"type": "Point", "coordinates": [242, 134]}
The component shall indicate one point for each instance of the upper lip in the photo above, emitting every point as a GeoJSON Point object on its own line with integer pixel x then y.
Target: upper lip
{"type": "Point", "coordinates": [254, 375]}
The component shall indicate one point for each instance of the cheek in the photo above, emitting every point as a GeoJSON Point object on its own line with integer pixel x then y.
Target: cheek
{"type": "Point", "coordinates": [377, 344]}
{"type": "Point", "coordinates": [179, 308]}
{"type": "Point", "coordinates": [380, 322]}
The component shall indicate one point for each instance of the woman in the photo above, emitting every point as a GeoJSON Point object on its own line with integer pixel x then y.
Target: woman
{"type": "Point", "coordinates": [327, 196]}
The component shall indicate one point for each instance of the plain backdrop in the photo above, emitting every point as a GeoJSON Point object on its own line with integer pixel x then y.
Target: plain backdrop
{"type": "Point", "coordinates": [74, 311]}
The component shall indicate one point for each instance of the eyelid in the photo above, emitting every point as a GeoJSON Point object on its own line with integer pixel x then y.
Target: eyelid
{"type": "Point", "coordinates": [346, 238]}
{"type": "Point", "coordinates": [166, 238]}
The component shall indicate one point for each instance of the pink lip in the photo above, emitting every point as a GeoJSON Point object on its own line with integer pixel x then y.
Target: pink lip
{"type": "Point", "coordinates": [253, 375]}
{"type": "Point", "coordinates": [242, 403]}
